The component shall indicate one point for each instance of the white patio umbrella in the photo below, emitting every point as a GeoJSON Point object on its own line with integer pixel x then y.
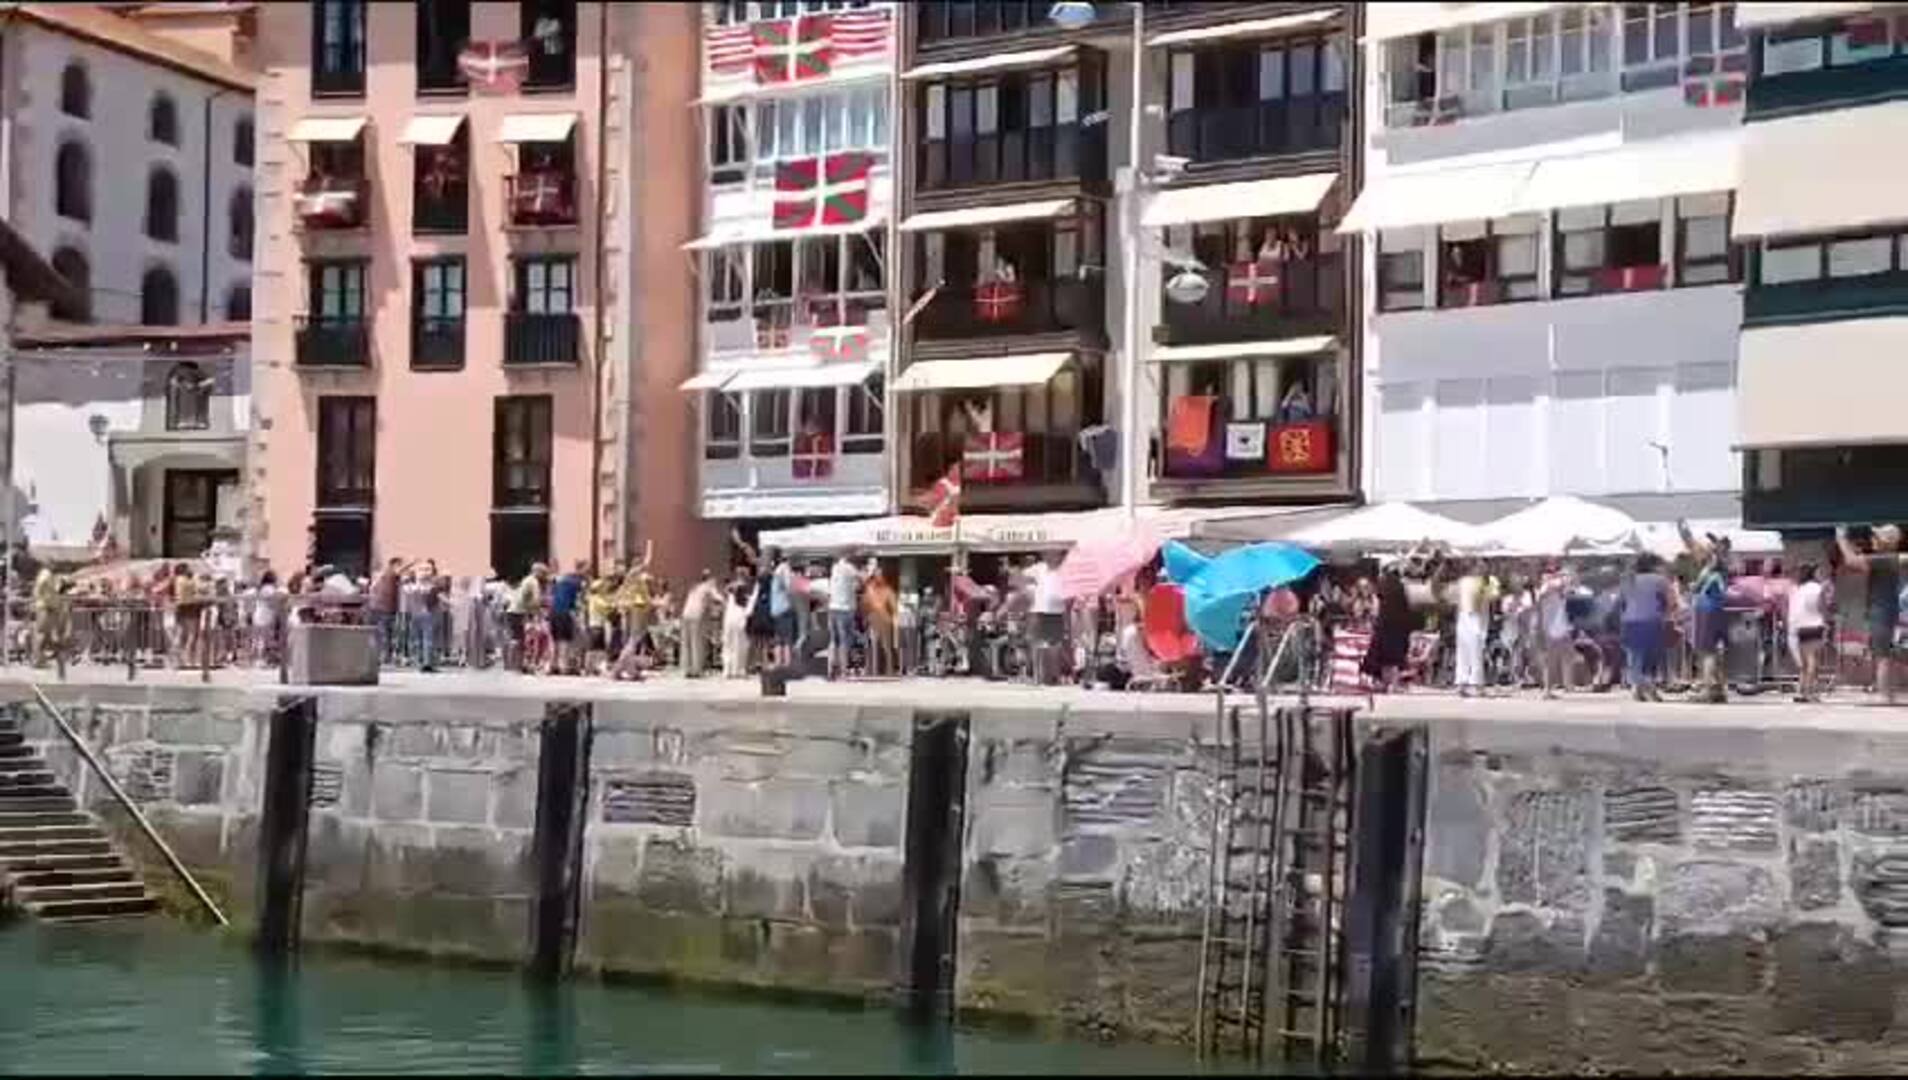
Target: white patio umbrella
{"type": "Point", "coordinates": [1563, 525]}
{"type": "Point", "coordinates": [1388, 526]}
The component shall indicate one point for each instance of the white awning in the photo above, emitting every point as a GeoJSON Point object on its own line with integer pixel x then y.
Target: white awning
{"type": "Point", "coordinates": [1247, 28]}
{"type": "Point", "coordinates": [708, 380]}
{"type": "Point", "coordinates": [991, 62]}
{"type": "Point", "coordinates": [1030, 369]}
{"type": "Point", "coordinates": [326, 129]}
{"type": "Point", "coordinates": [1785, 165]}
{"type": "Point", "coordinates": [1648, 170]}
{"type": "Point", "coordinates": [1763, 16]}
{"type": "Point", "coordinates": [431, 130]}
{"type": "Point", "coordinates": [1250, 198]}
{"type": "Point", "coordinates": [1427, 198]}
{"type": "Point", "coordinates": [1052, 530]}
{"type": "Point", "coordinates": [1830, 383]}
{"type": "Point", "coordinates": [985, 215]}
{"type": "Point", "coordinates": [1405, 20]}
{"type": "Point", "coordinates": [802, 377]}
{"type": "Point", "coordinates": [536, 127]}
{"type": "Point", "coordinates": [759, 232]}
{"type": "Point", "coordinates": [1303, 346]}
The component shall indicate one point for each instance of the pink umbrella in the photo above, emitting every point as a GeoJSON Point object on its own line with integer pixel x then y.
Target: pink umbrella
{"type": "Point", "coordinates": [1098, 563]}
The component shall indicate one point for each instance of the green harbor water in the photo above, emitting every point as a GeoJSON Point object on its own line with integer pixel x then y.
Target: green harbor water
{"type": "Point", "coordinates": [155, 997]}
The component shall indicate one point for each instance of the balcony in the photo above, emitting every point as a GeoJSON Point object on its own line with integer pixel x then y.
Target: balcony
{"type": "Point", "coordinates": [941, 21]}
{"type": "Point", "coordinates": [1294, 447]}
{"type": "Point", "coordinates": [437, 344]}
{"type": "Point", "coordinates": [1260, 301]}
{"type": "Point", "coordinates": [1007, 309]}
{"type": "Point", "coordinates": [1268, 129]}
{"type": "Point", "coordinates": [1822, 300]}
{"type": "Point", "coordinates": [1036, 155]}
{"type": "Point", "coordinates": [1051, 460]}
{"type": "Point", "coordinates": [332, 203]}
{"type": "Point", "coordinates": [333, 341]}
{"type": "Point", "coordinates": [447, 211]}
{"type": "Point", "coordinates": [1807, 91]}
{"type": "Point", "coordinates": [541, 198]}
{"type": "Point", "coordinates": [542, 339]}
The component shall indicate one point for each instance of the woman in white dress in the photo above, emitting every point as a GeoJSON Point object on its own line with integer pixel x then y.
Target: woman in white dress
{"type": "Point", "coordinates": [738, 601]}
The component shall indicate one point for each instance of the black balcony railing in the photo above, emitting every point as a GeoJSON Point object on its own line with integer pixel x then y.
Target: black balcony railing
{"type": "Point", "coordinates": [1066, 152]}
{"type": "Point", "coordinates": [541, 197]}
{"type": "Point", "coordinates": [542, 338]}
{"type": "Point", "coordinates": [1002, 309]}
{"type": "Point", "coordinates": [445, 211]}
{"type": "Point", "coordinates": [1259, 300]}
{"type": "Point", "coordinates": [333, 341]}
{"type": "Point", "coordinates": [1833, 298]}
{"type": "Point", "coordinates": [437, 343]}
{"type": "Point", "coordinates": [1266, 129]}
{"type": "Point", "coordinates": [1044, 460]}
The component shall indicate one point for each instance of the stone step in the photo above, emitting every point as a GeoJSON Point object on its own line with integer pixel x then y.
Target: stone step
{"type": "Point", "coordinates": [125, 888]}
{"type": "Point", "coordinates": [12, 737]}
{"type": "Point", "coordinates": [64, 864]}
{"type": "Point", "coordinates": [31, 784]}
{"type": "Point", "coordinates": [56, 801]}
{"type": "Point", "coordinates": [72, 910]}
{"type": "Point", "coordinates": [18, 771]}
{"type": "Point", "coordinates": [12, 850]}
{"type": "Point", "coordinates": [116, 873]}
{"type": "Point", "coordinates": [16, 833]}
{"type": "Point", "coordinates": [18, 750]}
{"type": "Point", "coordinates": [17, 818]}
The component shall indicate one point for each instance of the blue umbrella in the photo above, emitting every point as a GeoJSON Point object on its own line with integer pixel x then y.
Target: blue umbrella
{"type": "Point", "coordinates": [1220, 590]}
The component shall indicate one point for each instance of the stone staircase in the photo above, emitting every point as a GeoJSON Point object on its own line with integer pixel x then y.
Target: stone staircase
{"type": "Point", "coordinates": [56, 863]}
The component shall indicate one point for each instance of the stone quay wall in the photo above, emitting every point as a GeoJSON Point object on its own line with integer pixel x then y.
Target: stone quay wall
{"type": "Point", "coordinates": [1665, 897]}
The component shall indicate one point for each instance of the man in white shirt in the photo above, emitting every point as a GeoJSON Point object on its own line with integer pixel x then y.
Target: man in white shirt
{"type": "Point", "coordinates": [1049, 617]}
{"type": "Point", "coordinates": [844, 594]}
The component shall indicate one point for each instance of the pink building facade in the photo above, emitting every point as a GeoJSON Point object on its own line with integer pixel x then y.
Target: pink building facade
{"type": "Point", "coordinates": [468, 296]}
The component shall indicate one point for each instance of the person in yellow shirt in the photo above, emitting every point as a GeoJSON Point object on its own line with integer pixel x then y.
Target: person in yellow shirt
{"type": "Point", "coordinates": [49, 615]}
{"type": "Point", "coordinates": [599, 614]}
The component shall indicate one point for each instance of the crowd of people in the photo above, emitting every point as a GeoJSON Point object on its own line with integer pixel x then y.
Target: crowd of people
{"type": "Point", "coordinates": [1707, 620]}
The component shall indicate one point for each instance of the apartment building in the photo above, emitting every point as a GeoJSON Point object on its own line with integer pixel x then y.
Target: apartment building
{"type": "Point", "coordinates": [1552, 288]}
{"type": "Point", "coordinates": [793, 258]}
{"type": "Point", "coordinates": [127, 151]}
{"type": "Point", "coordinates": [1824, 212]}
{"type": "Point", "coordinates": [472, 310]}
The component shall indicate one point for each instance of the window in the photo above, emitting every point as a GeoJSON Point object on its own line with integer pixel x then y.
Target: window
{"type": "Point", "coordinates": [1784, 263]}
{"type": "Point", "coordinates": [1264, 97]}
{"type": "Point", "coordinates": [337, 46]}
{"type": "Point", "coordinates": [338, 291]}
{"type": "Point", "coordinates": [188, 398]}
{"type": "Point", "coordinates": [1030, 125]}
{"type": "Point", "coordinates": [162, 205]}
{"type": "Point", "coordinates": [1263, 389]}
{"type": "Point", "coordinates": [520, 456]}
{"type": "Point", "coordinates": [1858, 39]}
{"type": "Point", "coordinates": [1609, 248]}
{"type": "Point", "coordinates": [437, 313]}
{"type": "Point", "coordinates": [854, 119]}
{"type": "Point", "coordinates": [546, 286]}
{"type": "Point", "coordinates": [1703, 252]}
{"type": "Point", "coordinates": [239, 224]}
{"type": "Point", "coordinates": [443, 26]}
{"type": "Point", "coordinates": [243, 138]}
{"type": "Point", "coordinates": [71, 265]}
{"type": "Point", "coordinates": [73, 181]}
{"type": "Point", "coordinates": [724, 441]}
{"type": "Point", "coordinates": [1839, 257]}
{"type": "Point", "coordinates": [158, 298]}
{"type": "Point", "coordinates": [347, 451]}
{"type": "Point", "coordinates": [76, 91]}
{"type": "Point", "coordinates": [769, 423]}
{"type": "Point", "coordinates": [440, 192]}
{"type": "Point", "coordinates": [729, 144]}
{"type": "Point", "coordinates": [1401, 269]}
{"type": "Point", "coordinates": [867, 418]}
{"type": "Point", "coordinates": [815, 410]}
{"type": "Point", "coordinates": [548, 27]}
{"type": "Point", "coordinates": [162, 121]}
{"type": "Point", "coordinates": [238, 304]}
{"type": "Point", "coordinates": [1487, 262]}
{"type": "Point", "coordinates": [1657, 38]}
{"type": "Point", "coordinates": [1259, 269]}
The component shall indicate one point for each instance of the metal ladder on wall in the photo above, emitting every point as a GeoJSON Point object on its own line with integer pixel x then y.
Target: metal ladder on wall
{"type": "Point", "coordinates": [1270, 958]}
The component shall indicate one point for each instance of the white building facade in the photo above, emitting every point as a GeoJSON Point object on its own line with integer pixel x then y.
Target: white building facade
{"type": "Point", "coordinates": [792, 260]}
{"type": "Point", "coordinates": [1552, 295]}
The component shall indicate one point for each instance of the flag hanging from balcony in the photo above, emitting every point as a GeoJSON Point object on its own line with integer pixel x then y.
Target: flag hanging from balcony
{"type": "Point", "coordinates": [943, 500]}
{"type": "Point", "coordinates": [993, 455]}
{"type": "Point", "coordinates": [997, 301]}
{"type": "Point", "coordinates": [1302, 447]}
{"type": "Point", "coordinates": [1245, 441]}
{"type": "Point", "coordinates": [814, 457]}
{"type": "Point", "coordinates": [730, 51]}
{"type": "Point", "coordinates": [1253, 282]}
{"type": "Point", "coordinates": [793, 50]}
{"type": "Point", "coordinates": [859, 32]}
{"type": "Point", "coordinates": [839, 344]}
{"type": "Point", "coordinates": [822, 191]}
{"type": "Point", "coordinates": [496, 67]}
{"type": "Point", "coordinates": [1715, 80]}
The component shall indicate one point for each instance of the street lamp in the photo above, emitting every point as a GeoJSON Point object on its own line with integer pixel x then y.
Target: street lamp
{"type": "Point", "coordinates": [1073, 15]}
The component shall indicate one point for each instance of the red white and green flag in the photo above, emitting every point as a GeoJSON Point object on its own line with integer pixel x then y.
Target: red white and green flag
{"type": "Point", "coordinates": [822, 191]}
{"type": "Point", "coordinates": [793, 50]}
{"type": "Point", "coordinates": [496, 67]}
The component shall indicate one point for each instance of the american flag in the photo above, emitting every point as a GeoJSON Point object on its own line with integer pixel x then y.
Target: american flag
{"type": "Point", "coordinates": [861, 32]}
{"type": "Point", "coordinates": [731, 48]}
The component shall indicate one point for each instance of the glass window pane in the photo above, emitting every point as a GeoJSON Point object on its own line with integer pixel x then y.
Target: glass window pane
{"type": "Point", "coordinates": [1483, 69]}
{"type": "Point", "coordinates": [1800, 262]}
{"type": "Point", "coordinates": [1867, 255]}
{"type": "Point", "coordinates": [836, 117]}
{"type": "Point", "coordinates": [1543, 44]}
{"type": "Point", "coordinates": [811, 125]}
{"type": "Point", "coordinates": [1450, 62]}
{"type": "Point", "coordinates": [987, 110]}
{"type": "Point", "coordinates": [1780, 56]}
{"type": "Point", "coordinates": [1636, 33]}
{"type": "Point", "coordinates": [1517, 52]}
{"type": "Point", "coordinates": [1066, 107]}
{"type": "Point", "coordinates": [1598, 29]}
{"type": "Point", "coordinates": [1583, 250]}
{"type": "Point", "coordinates": [1516, 256]}
{"type": "Point", "coordinates": [1272, 74]}
{"type": "Point", "coordinates": [1304, 61]}
{"type": "Point", "coordinates": [1332, 79]}
{"type": "Point", "coordinates": [937, 112]}
{"type": "Point", "coordinates": [1666, 30]}
{"type": "Point", "coordinates": [788, 130]}
{"type": "Point", "coordinates": [1705, 237]}
{"type": "Point", "coordinates": [1573, 41]}
{"type": "Point", "coordinates": [1702, 29]}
